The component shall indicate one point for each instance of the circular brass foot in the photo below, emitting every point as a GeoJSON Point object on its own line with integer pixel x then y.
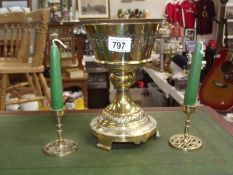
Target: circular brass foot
{"type": "Point", "coordinates": [191, 144]}
{"type": "Point", "coordinates": [135, 132]}
{"type": "Point", "coordinates": [60, 149]}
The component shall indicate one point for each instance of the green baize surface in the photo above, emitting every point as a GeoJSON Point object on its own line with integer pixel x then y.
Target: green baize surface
{"type": "Point", "coordinates": [22, 139]}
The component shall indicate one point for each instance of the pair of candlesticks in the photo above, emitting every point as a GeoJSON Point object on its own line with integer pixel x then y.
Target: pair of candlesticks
{"type": "Point", "coordinates": [63, 147]}
{"type": "Point", "coordinates": [122, 47]}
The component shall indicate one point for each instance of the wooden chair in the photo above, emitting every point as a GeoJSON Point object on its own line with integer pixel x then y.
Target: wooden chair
{"type": "Point", "coordinates": [22, 50]}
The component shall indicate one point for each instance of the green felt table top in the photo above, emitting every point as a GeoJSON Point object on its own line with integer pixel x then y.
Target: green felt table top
{"type": "Point", "coordinates": [22, 139]}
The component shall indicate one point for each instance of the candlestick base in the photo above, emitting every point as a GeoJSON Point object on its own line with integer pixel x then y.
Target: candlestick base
{"type": "Point", "coordinates": [185, 141]}
{"type": "Point", "coordinates": [191, 143]}
{"type": "Point", "coordinates": [60, 149]}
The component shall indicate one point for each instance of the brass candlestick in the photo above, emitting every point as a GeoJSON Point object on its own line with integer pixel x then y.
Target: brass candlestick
{"type": "Point", "coordinates": [60, 147]}
{"type": "Point", "coordinates": [185, 141]}
{"type": "Point", "coordinates": [122, 47]}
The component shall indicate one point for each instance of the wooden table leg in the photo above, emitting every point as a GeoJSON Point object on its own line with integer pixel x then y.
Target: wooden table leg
{"type": "Point", "coordinates": [3, 92]}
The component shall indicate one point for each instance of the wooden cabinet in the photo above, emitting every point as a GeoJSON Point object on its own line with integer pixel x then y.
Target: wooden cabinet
{"type": "Point", "coordinates": [71, 57]}
{"type": "Point", "coordinates": [65, 33]}
{"type": "Point", "coordinates": [98, 86]}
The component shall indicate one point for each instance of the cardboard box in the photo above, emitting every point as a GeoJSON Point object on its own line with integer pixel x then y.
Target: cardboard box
{"type": "Point", "coordinates": [74, 73]}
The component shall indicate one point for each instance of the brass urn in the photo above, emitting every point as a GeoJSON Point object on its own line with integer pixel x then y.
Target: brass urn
{"type": "Point", "coordinates": [122, 47]}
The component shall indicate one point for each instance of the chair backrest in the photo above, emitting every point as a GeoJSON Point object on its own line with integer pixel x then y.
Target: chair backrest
{"type": "Point", "coordinates": [23, 36]}
{"type": "Point", "coordinates": [11, 35]}
{"type": "Point", "coordinates": [37, 25]}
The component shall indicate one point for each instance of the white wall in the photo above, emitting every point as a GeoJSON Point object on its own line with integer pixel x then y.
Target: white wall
{"type": "Point", "coordinates": [155, 7]}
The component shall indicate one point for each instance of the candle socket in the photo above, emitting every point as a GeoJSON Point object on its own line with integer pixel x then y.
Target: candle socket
{"type": "Point", "coordinates": [185, 141]}
{"type": "Point", "coordinates": [60, 147]}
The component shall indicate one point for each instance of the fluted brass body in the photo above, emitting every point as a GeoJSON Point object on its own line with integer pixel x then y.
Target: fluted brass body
{"type": "Point", "coordinates": [122, 120]}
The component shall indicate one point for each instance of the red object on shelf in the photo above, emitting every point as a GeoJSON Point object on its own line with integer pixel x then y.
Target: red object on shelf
{"type": "Point", "coordinates": [140, 84]}
{"type": "Point", "coordinates": [213, 44]}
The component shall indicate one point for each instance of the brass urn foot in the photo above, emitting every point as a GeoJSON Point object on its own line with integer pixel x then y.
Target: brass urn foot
{"type": "Point", "coordinates": [137, 131]}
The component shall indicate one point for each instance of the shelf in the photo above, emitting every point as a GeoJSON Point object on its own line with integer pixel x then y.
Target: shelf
{"type": "Point", "coordinates": [229, 37]}
{"type": "Point", "coordinates": [229, 12]}
{"type": "Point", "coordinates": [229, 16]}
{"type": "Point", "coordinates": [229, 5]}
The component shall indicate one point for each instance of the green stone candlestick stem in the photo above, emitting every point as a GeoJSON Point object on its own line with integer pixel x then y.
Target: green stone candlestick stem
{"type": "Point", "coordinates": [194, 76]}
{"type": "Point", "coordinates": [55, 79]}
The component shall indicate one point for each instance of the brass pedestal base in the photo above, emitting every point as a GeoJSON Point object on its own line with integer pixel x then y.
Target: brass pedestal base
{"type": "Point", "coordinates": [135, 132]}
{"type": "Point", "coordinates": [60, 149]}
{"type": "Point", "coordinates": [191, 143]}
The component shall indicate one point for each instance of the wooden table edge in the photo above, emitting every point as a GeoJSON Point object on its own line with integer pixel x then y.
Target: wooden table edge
{"type": "Point", "coordinates": [227, 126]}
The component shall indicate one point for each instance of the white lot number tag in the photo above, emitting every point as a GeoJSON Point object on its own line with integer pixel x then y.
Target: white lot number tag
{"type": "Point", "coordinates": [118, 44]}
